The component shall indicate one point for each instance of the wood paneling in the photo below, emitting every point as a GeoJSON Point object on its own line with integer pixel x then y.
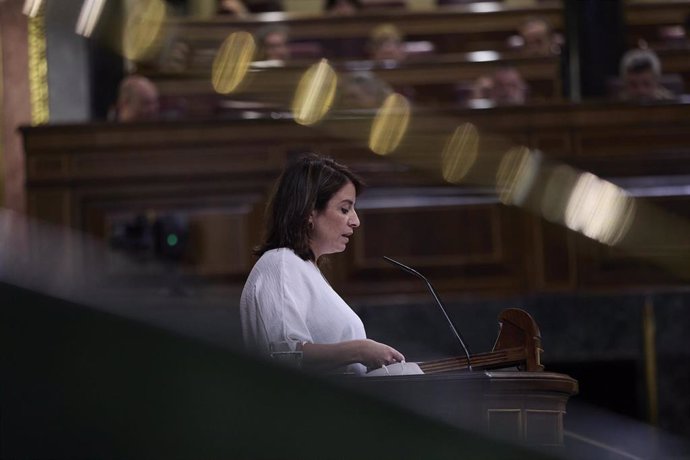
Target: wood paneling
{"type": "Point", "coordinates": [218, 175]}
{"type": "Point", "coordinates": [658, 253]}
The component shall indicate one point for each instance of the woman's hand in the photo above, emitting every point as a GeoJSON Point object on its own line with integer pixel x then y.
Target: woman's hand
{"type": "Point", "coordinates": [374, 354]}
{"type": "Point", "coordinates": [333, 355]}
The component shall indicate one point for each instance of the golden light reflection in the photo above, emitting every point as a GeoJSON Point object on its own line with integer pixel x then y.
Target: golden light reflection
{"type": "Point", "coordinates": [599, 209]}
{"type": "Point", "coordinates": [516, 174]}
{"type": "Point", "coordinates": [460, 153]}
{"type": "Point", "coordinates": [315, 93]}
{"type": "Point", "coordinates": [390, 124]}
{"type": "Point", "coordinates": [559, 186]}
{"type": "Point", "coordinates": [32, 7]}
{"type": "Point", "coordinates": [232, 62]}
{"type": "Point", "coordinates": [143, 27]}
{"type": "Point", "coordinates": [88, 16]}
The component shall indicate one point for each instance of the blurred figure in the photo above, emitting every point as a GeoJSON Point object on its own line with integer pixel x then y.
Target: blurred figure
{"type": "Point", "coordinates": [640, 72]}
{"type": "Point", "coordinates": [272, 41]}
{"type": "Point", "coordinates": [386, 44]}
{"type": "Point", "coordinates": [342, 7]}
{"type": "Point", "coordinates": [363, 90]}
{"type": "Point", "coordinates": [508, 87]}
{"type": "Point", "coordinates": [137, 99]}
{"type": "Point", "coordinates": [538, 38]}
{"type": "Point", "coordinates": [234, 8]}
{"type": "Point", "coordinates": [482, 87]}
{"type": "Point", "coordinates": [175, 58]}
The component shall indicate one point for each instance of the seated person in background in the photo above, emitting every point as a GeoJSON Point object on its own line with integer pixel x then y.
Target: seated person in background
{"type": "Point", "coordinates": [482, 86]}
{"type": "Point", "coordinates": [508, 87]}
{"type": "Point", "coordinates": [386, 44]}
{"type": "Point", "coordinates": [287, 305]}
{"type": "Point", "coordinates": [175, 58]}
{"type": "Point", "coordinates": [272, 41]}
{"type": "Point", "coordinates": [640, 72]}
{"type": "Point", "coordinates": [234, 8]}
{"type": "Point", "coordinates": [137, 99]}
{"type": "Point", "coordinates": [363, 90]}
{"type": "Point", "coordinates": [342, 7]}
{"type": "Point", "coordinates": [538, 39]}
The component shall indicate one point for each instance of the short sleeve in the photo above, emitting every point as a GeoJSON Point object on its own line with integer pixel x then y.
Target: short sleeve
{"type": "Point", "coordinates": [294, 305]}
{"type": "Point", "coordinates": [277, 307]}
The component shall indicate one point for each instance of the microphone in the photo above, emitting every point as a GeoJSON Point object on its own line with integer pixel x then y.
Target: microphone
{"type": "Point", "coordinates": [440, 305]}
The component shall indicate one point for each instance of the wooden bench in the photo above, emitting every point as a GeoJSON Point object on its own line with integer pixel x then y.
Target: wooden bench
{"type": "Point", "coordinates": [433, 81]}
{"type": "Point", "coordinates": [452, 29]}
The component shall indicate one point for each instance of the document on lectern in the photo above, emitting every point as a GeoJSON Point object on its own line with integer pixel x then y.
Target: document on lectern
{"type": "Point", "coordinates": [402, 368]}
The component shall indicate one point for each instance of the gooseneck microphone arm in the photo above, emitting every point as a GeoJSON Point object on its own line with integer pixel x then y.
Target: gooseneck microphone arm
{"type": "Point", "coordinates": [414, 272]}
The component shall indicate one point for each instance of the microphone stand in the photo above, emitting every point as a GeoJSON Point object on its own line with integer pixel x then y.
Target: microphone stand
{"type": "Point", "coordinates": [438, 301]}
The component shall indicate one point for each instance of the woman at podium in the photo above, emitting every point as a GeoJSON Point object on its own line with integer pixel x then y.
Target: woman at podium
{"type": "Point", "coordinates": [287, 306]}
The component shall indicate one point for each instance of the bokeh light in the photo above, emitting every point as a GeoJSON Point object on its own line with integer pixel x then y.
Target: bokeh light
{"type": "Point", "coordinates": [390, 124]}
{"type": "Point", "coordinates": [599, 209]}
{"type": "Point", "coordinates": [315, 93]}
{"type": "Point", "coordinates": [32, 7]}
{"type": "Point", "coordinates": [232, 62]}
{"type": "Point", "coordinates": [460, 153]}
{"type": "Point", "coordinates": [516, 174]}
{"type": "Point", "coordinates": [88, 16]}
{"type": "Point", "coordinates": [142, 31]}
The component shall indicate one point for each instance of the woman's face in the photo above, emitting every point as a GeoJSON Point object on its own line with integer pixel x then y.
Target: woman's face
{"type": "Point", "coordinates": [333, 226]}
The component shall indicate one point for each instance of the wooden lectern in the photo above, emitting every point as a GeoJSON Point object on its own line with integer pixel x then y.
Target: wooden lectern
{"type": "Point", "coordinates": [506, 394]}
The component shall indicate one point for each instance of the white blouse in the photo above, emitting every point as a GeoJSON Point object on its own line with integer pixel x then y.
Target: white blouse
{"type": "Point", "coordinates": [287, 301]}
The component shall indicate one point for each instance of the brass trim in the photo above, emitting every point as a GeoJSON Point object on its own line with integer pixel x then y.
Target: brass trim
{"type": "Point", "coordinates": [38, 70]}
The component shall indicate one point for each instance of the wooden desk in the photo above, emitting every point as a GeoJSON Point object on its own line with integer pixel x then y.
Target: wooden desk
{"type": "Point", "coordinates": [524, 407]}
{"type": "Point", "coordinates": [453, 29]}
{"type": "Point", "coordinates": [461, 28]}
{"type": "Point", "coordinates": [433, 80]}
{"type": "Point", "coordinates": [219, 173]}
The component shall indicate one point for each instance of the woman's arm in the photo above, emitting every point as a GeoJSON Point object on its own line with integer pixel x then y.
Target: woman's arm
{"type": "Point", "coordinates": [333, 355]}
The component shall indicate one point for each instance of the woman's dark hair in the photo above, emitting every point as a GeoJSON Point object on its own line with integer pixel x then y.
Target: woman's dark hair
{"type": "Point", "coordinates": [306, 185]}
